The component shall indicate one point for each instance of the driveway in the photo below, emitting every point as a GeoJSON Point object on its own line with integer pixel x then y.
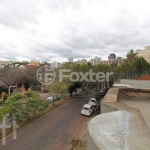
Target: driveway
{"type": "Point", "coordinates": [54, 131]}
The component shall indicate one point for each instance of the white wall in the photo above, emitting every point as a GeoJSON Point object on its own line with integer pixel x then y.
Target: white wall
{"type": "Point", "coordinates": [136, 83]}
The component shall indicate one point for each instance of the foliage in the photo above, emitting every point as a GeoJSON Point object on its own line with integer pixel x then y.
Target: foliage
{"type": "Point", "coordinates": [3, 110]}
{"type": "Point", "coordinates": [17, 97]}
{"type": "Point", "coordinates": [132, 67]}
{"type": "Point", "coordinates": [45, 91]}
{"type": "Point", "coordinates": [78, 144]}
{"type": "Point", "coordinates": [22, 107]}
{"type": "Point", "coordinates": [57, 88]}
{"type": "Point", "coordinates": [141, 66]}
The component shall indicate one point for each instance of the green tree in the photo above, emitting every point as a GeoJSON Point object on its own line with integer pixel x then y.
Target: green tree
{"type": "Point", "coordinates": [141, 67]}
{"type": "Point", "coordinates": [21, 107]}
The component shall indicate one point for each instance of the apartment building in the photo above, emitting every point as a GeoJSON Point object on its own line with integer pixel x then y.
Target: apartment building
{"type": "Point", "coordinates": [145, 53]}
{"type": "Point", "coordinates": [35, 63]}
{"type": "Point", "coordinates": [82, 61]}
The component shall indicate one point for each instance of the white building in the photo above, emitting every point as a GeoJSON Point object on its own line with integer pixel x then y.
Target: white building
{"type": "Point", "coordinates": [56, 64]}
{"type": "Point", "coordinates": [93, 63]}
{"type": "Point", "coordinates": [137, 51]}
{"type": "Point", "coordinates": [70, 59]}
{"type": "Point", "coordinates": [145, 53]}
{"type": "Point", "coordinates": [97, 60]}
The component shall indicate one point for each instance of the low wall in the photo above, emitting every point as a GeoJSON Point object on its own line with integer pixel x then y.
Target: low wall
{"type": "Point", "coordinates": [111, 96]}
{"type": "Point", "coordinates": [118, 130]}
{"type": "Point", "coordinates": [139, 93]}
{"type": "Point", "coordinates": [106, 108]}
{"type": "Point", "coordinates": [136, 83]}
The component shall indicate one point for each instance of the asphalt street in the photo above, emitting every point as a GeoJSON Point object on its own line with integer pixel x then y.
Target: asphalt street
{"type": "Point", "coordinates": [53, 131]}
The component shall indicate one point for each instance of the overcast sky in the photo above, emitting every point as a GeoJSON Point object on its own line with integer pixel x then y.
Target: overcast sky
{"type": "Point", "coordinates": [54, 30]}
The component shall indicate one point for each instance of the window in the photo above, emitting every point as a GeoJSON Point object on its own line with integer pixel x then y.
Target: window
{"type": "Point", "coordinates": [91, 107]}
{"type": "Point", "coordinates": [92, 100]}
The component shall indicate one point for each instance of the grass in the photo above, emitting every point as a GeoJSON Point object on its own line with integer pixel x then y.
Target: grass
{"type": "Point", "coordinates": [78, 145]}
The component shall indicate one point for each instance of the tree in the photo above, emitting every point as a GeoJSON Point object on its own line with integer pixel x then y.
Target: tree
{"type": "Point", "coordinates": [128, 65]}
{"type": "Point", "coordinates": [22, 107]}
{"type": "Point", "coordinates": [57, 88]}
{"type": "Point", "coordinates": [141, 66]}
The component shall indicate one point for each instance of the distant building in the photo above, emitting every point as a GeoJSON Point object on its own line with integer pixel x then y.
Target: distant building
{"type": "Point", "coordinates": [119, 59]}
{"type": "Point", "coordinates": [16, 65]}
{"type": "Point", "coordinates": [82, 61]}
{"type": "Point", "coordinates": [110, 62]}
{"type": "Point", "coordinates": [47, 65]}
{"type": "Point", "coordinates": [93, 62]}
{"type": "Point", "coordinates": [137, 51]}
{"type": "Point", "coordinates": [112, 56]}
{"type": "Point", "coordinates": [35, 63]}
{"type": "Point", "coordinates": [97, 60]}
{"type": "Point", "coordinates": [5, 64]}
{"type": "Point", "coordinates": [70, 59]}
{"type": "Point", "coordinates": [145, 53]}
{"type": "Point", "coordinates": [55, 64]}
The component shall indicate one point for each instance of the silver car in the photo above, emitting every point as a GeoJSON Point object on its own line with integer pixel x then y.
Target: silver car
{"type": "Point", "coordinates": [87, 110]}
{"type": "Point", "coordinates": [93, 102]}
{"type": "Point", "coordinates": [53, 97]}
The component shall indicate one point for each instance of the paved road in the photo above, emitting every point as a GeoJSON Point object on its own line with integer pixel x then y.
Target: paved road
{"type": "Point", "coordinates": [53, 131]}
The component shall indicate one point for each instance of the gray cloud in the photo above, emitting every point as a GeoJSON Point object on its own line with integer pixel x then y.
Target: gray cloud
{"type": "Point", "coordinates": [55, 30]}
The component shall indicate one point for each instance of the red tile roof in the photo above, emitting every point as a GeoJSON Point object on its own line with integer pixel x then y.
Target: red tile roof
{"type": "Point", "coordinates": [2, 84]}
{"type": "Point", "coordinates": [31, 66]}
{"type": "Point", "coordinates": [6, 81]}
{"type": "Point", "coordinates": [144, 78]}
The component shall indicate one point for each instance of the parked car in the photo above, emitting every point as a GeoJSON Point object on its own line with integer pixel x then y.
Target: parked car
{"type": "Point", "coordinates": [93, 102]}
{"type": "Point", "coordinates": [87, 110]}
{"type": "Point", "coordinates": [53, 97]}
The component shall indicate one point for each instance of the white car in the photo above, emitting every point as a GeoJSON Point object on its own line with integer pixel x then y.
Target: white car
{"type": "Point", "coordinates": [93, 102]}
{"type": "Point", "coordinates": [87, 110]}
{"type": "Point", "coordinates": [53, 97]}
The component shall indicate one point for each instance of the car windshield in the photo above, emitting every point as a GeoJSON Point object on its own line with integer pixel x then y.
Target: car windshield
{"type": "Point", "coordinates": [51, 96]}
{"type": "Point", "coordinates": [93, 100]}
{"type": "Point", "coordinates": [85, 108]}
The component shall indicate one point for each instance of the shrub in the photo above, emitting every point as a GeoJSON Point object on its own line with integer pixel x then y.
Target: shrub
{"type": "Point", "coordinates": [14, 98]}
{"type": "Point", "coordinates": [5, 97]}
{"type": "Point", "coordinates": [17, 96]}
{"type": "Point", "coordinates": [45, 91]}
{"type": "Point", "coordinates": [3, 111]}
{"type": "Point", "coordinates": [28, 94]}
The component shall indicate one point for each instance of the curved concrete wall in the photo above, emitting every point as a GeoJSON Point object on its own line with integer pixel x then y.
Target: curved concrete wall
{"type": "Point", "coordinates": [108, 130]}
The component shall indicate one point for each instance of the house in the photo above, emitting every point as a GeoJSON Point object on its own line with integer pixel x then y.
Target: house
{"type": "Point", "coordinates": [7, 84]}
{"type": "Point", "coordinates": [28, 67]}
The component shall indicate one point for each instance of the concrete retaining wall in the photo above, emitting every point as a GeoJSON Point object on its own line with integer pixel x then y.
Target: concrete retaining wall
{"type": "Point", "coordinates": [90, 144]}
{"type": "Point", "coordinates": [121, 118]}
{"type": "Point", "coordinates": [111, 96]}
{"type": "Point", "coordinates": [136, 83]}
{"type": "Point", "coordinates": [105, 108]}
